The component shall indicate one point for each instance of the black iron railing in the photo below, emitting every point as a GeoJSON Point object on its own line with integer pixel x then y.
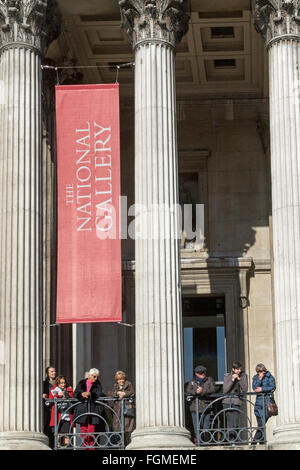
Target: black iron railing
{"type": "Point", "coordinates": [215, 423]}
{"type": "Point", "coordinates": [232, 423]}
{"type": "Point", "coordinates": [104, 436]}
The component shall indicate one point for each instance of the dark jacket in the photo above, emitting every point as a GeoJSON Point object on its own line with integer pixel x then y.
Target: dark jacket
{"type": "Point", "coordinates": [236, 387]}
{"type": "Point", "coordinates": [46, 408]}
{"type": "Point", "coordinates": [208, 386]}
{"type": "Point", "coordinates": [47, 386]}
{"type": "Point", "coordinates": [129, 423]}
{"type": "Point", "coordinates": [267, 384]}
{"type": "Point", "coordinates": [87, 405]}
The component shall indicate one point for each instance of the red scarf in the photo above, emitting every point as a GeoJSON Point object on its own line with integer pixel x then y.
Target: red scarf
{"type": "Point", "coordinates": [88, 385]}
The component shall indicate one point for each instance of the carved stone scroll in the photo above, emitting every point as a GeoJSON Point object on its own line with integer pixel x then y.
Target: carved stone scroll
{"type": "Point", "coordinates": [154, 20]}
{"type": "Point", "coordinates": [275, 19]}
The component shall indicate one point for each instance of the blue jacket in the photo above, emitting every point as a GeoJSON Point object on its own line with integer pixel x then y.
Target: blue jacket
{"type": "Point", "coordinates": [267, 384]}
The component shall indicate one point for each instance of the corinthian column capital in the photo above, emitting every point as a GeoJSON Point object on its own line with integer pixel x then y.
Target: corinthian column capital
{"type": "Point", "coordinates": [154, 20]}
{"type": "Point", "coordinates": [277, 19]}
{"type": "Point", "coordinates": [28, 23]}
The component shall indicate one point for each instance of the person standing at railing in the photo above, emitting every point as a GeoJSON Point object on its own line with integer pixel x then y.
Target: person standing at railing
{"type": "Point", "coordinates": [200, 387]}
{"type": "Point", "coordinates": [123, 389]}
{"type": "Point", "coordinates": [87, 413]}
{"type": "Point", "coordinates": [48, 383]}
{"type": "Point", "coordinates": [263, 383]}
{"type": "Point", "coordinates": [61, 390]}
{"type": "Point", "coordinates": [235, 382]}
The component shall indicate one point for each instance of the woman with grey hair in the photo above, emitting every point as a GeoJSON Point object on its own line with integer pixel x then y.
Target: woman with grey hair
{"type": "Point", "coordinates": [87, 392]}
{"type": "Point", "coordinates": [264, 384]}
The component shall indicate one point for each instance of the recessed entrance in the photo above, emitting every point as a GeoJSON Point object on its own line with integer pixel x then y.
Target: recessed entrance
{"type": "Point", "coordinates": [204, 335]}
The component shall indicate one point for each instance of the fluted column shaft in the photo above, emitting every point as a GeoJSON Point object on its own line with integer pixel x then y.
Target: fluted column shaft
{"type": "Point", "coordinates": [158, 299]}
{"type": "Point", "coordinates": [279, 23]}
{"type": "Point", "coordinates": [21, 326]}
{"type": "Point", "coordinates": [154, 29]}
{"type": "Point", "coordinates": [23, 39]}
{"type": "Point", "coordinates": [285, 150]}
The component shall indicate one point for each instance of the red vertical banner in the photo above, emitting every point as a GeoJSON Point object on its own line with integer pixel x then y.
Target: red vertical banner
{"type": "Point", "coordinates": [88, 181]}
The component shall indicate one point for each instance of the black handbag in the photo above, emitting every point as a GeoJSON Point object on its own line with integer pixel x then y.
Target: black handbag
{"type": "Point", "coordinates": [129, 410]}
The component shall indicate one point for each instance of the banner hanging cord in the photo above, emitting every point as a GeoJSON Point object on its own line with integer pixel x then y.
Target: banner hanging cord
{"type": "Point", "coordinates": [57, 75]}
{"type": "Point", "coordinates": [61, 67]}
{"type": "Point", "coordinates": [44, 325]}
{"type": "Point", "coordinates": [117, 77]}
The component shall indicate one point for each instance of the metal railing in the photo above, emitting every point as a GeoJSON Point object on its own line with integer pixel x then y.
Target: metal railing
{"type": "Point", "coordinates": [104, 436]}
{"type": "Point", "coordinates": [217, 424]}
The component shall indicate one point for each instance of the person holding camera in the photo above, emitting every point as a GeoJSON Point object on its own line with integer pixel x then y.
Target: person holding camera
{"type": "Point", "coordinates": [264, 384]}
{"type": "Point", "coordinates": [64, 419]}
{"type": "Point", "coordinates": [200, 387]}
{"type": "Point", "coordinates": [235, 383]}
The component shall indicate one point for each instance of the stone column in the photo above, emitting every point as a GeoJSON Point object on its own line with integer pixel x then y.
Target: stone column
{"type": "Point", "coordinates": [155, 28]}
{"type": "Point", "coordinates": [22, 41]}
{"type": "Point", "coordinates": [279, 23]}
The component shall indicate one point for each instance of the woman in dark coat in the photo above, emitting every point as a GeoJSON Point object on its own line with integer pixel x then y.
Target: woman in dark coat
{"type": "Point", "coordinates": [47, 385]}
{"type": "Point", "coordinates": [122, 389]}
{"type": "Point", "coordinates": [87, 392]}
{"type": "Point", "coordinates": [262, 382]}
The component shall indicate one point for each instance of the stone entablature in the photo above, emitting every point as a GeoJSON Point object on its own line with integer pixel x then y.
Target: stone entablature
{"type": "Point", "coordinates": [154, 20]}
{"type": "Point", "coordinates": [277, 19]}
{"type": "Point", "coordinates": [28, 23]}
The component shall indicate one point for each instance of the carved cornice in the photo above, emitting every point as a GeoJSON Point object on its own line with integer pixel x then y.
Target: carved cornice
{"type": "Point", "coordinates": [277, 19]}
{"type": "Point", "coordinates": [154, 20]}
{"type": "Point", "coordinates": [28, 23]}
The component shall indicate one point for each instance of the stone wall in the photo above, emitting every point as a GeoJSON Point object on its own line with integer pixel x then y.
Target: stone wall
{"type": "Point", "coordinates": [238, 210]}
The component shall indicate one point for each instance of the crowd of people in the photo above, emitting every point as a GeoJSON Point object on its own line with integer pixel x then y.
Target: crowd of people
{"type": "Point", "coordinates": [235, 384]}
{"type": "Point", "coordinates": [87, 413]}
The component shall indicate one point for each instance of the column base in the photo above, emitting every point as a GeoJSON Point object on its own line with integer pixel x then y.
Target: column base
{"type": "Point", "coordinates": [160, 438]}
{"type": "Point", "coordinates": [286, 438]}
{"type": "Point", "coordinates": [18, 440]}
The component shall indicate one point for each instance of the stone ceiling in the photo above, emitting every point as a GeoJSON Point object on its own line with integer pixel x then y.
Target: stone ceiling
{"type": "Point", "coordinates": [221, 56]}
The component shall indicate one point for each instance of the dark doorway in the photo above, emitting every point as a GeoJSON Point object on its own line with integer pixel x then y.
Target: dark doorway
{"type": "Point", "coordinates": [204, 335]}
